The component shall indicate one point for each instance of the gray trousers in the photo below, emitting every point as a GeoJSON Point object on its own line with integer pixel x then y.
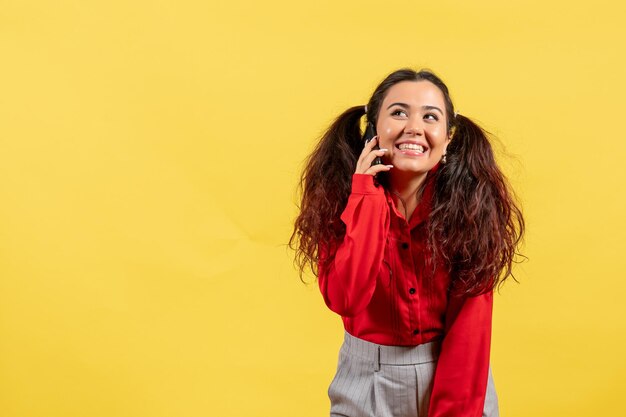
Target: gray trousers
{"type": "Point", "coordinates": [389, 381]}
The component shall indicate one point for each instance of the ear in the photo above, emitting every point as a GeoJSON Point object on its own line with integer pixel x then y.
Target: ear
{"type": "Point", "coordinates": [447, 142]}
{"type": "Point", "coordinates": [451, 133]}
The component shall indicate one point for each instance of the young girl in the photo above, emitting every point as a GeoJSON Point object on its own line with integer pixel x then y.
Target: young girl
{"type": "Point", "coordinates": [408, 251]}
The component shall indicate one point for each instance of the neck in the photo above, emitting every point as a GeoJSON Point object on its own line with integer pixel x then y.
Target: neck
{"type": "Point", "coordinates": [407, 189]}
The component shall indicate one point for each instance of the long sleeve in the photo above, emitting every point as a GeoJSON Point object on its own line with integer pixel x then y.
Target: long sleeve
{"type": "Point", "coordinates": [347, 274]}
{"type": "Point", "coordinates": [461, 376]}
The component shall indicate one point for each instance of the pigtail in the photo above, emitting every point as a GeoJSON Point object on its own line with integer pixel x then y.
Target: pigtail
{"type": "Point", "coordinates": [475, 224]}
{"type": "Point", "coordinates": [325, 186]}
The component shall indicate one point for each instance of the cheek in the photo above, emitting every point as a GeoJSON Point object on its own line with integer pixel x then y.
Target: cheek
{"type": "Point", "coordinates": [439, 137]}
{"type": "Point", "coordinates": [386, 135]}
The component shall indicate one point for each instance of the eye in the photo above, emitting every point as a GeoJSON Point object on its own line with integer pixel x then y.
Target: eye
{"type": "Point", "coordinates": [398, 112]}
{"type": "Point", "coordinates": [431, 116]}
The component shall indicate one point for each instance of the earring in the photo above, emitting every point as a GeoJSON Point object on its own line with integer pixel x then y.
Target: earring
{"type": "Point", "coordinates": [443, 159]}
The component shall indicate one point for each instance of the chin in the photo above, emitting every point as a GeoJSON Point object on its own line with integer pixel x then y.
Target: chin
{"type": "Point", "coordinates": [413, 166]}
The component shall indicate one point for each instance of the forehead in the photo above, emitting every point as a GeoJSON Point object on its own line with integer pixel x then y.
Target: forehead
{"type": "Point", "coordinates": [415, 92]}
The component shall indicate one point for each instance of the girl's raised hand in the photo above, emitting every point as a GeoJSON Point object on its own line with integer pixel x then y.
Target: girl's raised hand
{"type": "Point", "coordinates": [364, 164]}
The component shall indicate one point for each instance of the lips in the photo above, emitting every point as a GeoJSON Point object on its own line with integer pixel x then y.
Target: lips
{"type": "Point", "coordinates": [412, 147]}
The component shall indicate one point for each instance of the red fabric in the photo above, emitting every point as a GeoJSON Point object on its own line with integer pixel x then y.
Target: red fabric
{"type": "Point", "coordinates": [381, 282]}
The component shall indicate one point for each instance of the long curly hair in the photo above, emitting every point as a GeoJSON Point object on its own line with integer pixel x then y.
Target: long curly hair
{"type": "Point", "coordinates": [475, 224]}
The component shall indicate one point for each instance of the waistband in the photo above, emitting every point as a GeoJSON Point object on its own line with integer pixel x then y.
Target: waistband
{"type": "Point", "coordinates": [390, 355]}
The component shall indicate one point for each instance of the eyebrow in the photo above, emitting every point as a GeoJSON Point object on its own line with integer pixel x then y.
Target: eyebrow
{"type": "Point", "coordinates": [406, 106]}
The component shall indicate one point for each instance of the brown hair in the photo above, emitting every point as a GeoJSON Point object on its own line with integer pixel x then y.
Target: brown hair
{"type": "Point", "coordinates": [475, 224]}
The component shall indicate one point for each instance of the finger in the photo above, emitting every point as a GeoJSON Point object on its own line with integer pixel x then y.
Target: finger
{"type": "Point", "coordinates": [365, 161]}
{"type": "Point", "coordinates": [369, 146]}
{"type": "Point", "coordinates": [378, 168]}
{"type": "Point", "coordinates": [376, 153]}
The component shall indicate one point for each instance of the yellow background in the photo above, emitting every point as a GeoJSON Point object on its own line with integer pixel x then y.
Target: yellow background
{"type": "Point", "coordinates": [149, 157]}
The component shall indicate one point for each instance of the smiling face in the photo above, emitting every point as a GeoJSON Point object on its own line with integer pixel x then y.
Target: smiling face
{"type": "Point", "coordinates": [412, 125]}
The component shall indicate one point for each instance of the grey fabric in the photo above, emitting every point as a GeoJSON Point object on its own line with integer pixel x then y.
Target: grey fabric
{"type": "Point", "coordinates": [389, 381]}
{"type": "Point", "coordinates": [491, 399]}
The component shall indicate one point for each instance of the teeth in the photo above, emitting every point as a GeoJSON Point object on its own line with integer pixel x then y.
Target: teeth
{"type": "Point", "coordinates": [412, 147]}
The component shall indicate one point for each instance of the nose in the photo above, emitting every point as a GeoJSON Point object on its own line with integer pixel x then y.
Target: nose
{"type": "Point", "coordinates": [414, 127]}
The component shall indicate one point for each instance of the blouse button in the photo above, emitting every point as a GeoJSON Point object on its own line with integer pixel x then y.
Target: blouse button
{"type": "Point", "coordinates": [415, 331]}
{"type": "Point", "coordinates": [412, 291]}
{"type": "Point", "coordinates": [405, 245]}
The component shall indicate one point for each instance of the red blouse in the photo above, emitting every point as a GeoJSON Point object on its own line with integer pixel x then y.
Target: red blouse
{"type": "Point", "coordinates": [381, 283]}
